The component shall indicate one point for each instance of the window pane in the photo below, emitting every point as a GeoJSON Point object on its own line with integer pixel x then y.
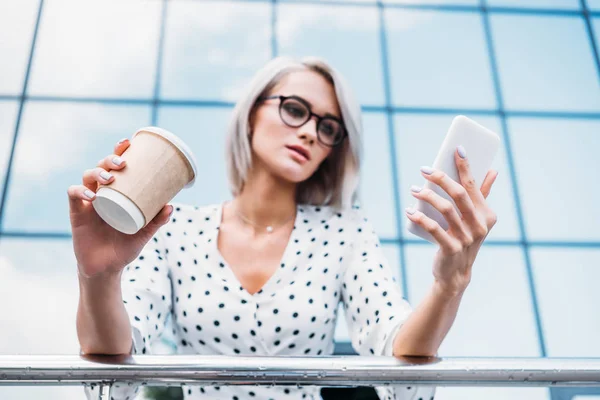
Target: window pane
{"type": "Point", "coordinates": [418, 139]}
{"type": "Point", "coordinates": [39, 280]}
{"type": "Point", "coordinates": [560, 4]}
{"type": "Point", "coordinates": [452, 2]}
{"type": "Point", "coordinates": [97, 49]}
{"type": "Point", "coordinates": [454, 69]}
{"type": "Point", "coordinates": [545, 63]}
{"type": "Point", "coordinates": [204, 131]}
{"type": "Point", "coordinates": [392, 254]}
{"type": "Point", "coordinates": [567, 286]}
{"type": "Point", "coordinates": [556, 162]}
{"type": "Point", "coordinates": [345, 36]}
{"type": "Point", "coordinates": [8, 113]}
{"type": "Point", "coordinates": [492, 393]}
{"type": "Point", "coordinates": [481, 331]}
{"type": "Point", "coordinates": [57, 143]}
{"type": "Point", "coordinates": [213, 49]}
{"type": "Point", "coordinates": [343, 1]}
{"type": "Point", "coordinates": [17, 22]}
{"type": "Point", "coordinates": [376, 183]}
{"type": "Point", "coordinates": [596, 26]}
{"type": "Point", "coordinates": [593, 4]}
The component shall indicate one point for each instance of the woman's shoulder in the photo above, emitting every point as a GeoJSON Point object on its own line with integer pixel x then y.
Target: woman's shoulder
{"type": "Point", "coordinates": [185, 215]}
{"type": "Point", "coordinates": [351, 215]}
{"type": "Point", "coordinates": [191, 210]}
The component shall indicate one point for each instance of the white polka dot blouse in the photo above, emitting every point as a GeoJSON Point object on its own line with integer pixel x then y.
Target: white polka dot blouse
{"type": "Point", "coordinates": [331, 257]}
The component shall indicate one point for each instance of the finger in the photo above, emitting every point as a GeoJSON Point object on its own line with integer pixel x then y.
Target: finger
{"type": "Point", "coordinates": [455, 190]}
{"type": "Point", "coordinates": [93, 177]}
{"type": "Point", "coordinates": [111, 162]}
{"type": "Point", "coordinates": [121, 146]}
{"type": "Point", "coordinates": [445, 207]}
{"type": "Point", "coordinates": [441, 237]}
{"type": "Point", "coordinates": [162, 218]}
{"type": "Point", "coordinates": [489, 180]}
{"type": "Point", "coordinates": [78, 196]}
{"type": "Point", "coordinates": [466, 178]}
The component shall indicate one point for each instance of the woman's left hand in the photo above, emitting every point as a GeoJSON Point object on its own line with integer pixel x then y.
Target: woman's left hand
{"type": "Point", "coordinates": [459, 244]}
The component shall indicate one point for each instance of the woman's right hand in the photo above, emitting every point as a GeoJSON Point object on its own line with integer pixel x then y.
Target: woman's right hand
{"type": "Point", "coordinates": [99, 248]}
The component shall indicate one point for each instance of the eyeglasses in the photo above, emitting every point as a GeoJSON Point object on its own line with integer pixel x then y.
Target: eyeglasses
{"type": "Point", "coordinates": [294, 111]}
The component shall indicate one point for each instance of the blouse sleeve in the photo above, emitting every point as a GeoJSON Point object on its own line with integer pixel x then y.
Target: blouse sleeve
{"type": "Point", "coordinates": [146, 292]}
{"type": "Point", "coordinates": [374, 307]}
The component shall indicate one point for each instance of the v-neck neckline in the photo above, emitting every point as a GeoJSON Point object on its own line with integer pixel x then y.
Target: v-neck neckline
{"type": "Point", "coordinates": [226, 269]}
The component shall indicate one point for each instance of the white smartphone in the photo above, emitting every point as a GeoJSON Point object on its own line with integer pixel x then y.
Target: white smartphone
{"type": "Point", "coordinates": [481, 145]}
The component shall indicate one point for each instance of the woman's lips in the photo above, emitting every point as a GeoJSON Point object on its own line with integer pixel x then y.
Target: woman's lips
{"type": "Point", "coordinates": [297, 155]}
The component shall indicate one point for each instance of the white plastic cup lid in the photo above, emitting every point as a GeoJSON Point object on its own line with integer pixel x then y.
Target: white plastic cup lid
{"type": "Point", "coordinates": [179, 144]}
{"type": "Point", "coordinates": [118, 211]}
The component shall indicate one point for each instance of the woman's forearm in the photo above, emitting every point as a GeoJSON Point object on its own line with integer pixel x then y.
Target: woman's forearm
{"type": "Point", "coordinates": [103, 325]}
{"type": "Point", "coordinates": [428, 325]}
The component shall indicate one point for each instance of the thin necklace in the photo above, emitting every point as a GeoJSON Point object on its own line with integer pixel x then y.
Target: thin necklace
{"type": "Point", "coordinates": [269, 228]}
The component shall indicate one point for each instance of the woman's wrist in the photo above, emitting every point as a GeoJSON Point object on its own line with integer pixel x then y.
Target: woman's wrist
{"type": "Point", "coordinates": [448, 291]}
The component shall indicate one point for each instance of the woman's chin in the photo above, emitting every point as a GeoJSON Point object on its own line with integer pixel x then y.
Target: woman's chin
{"type": "Point", "coordinates": [293, 172]}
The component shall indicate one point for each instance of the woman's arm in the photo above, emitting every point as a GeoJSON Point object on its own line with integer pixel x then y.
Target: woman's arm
{"type": "Point", "coordinates": [426, 328]}
{"type": "Point", "coordinates": [102, 322]}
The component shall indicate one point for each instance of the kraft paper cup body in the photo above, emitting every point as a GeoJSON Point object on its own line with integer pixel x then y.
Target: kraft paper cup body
{"type": "Point", "coordinates": [158, 166]}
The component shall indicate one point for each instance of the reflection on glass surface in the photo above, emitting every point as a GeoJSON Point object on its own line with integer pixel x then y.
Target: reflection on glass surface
{"type": "Point", "coordinates": [496, 393]}
{"type": "Point", "coordinates": [567, 285]}
{"type": "Point", "coordinates": [345, 36]}
{"type": "Point", "coordinates": [204, 131]}
{"type": "Point", "coordinates": [344, 1]}
{"type": "Point", "coordinates": [392, 255]}
{"type": "Point", "coordinates": [39, 280]}
{"type": "Point", "coordinates": [560, 4]}
{"type": "Point", "coordinates": [545, 63]}
{"type": "Point", "coordinates": [498, 297]}
{"type": "Point", "coordinates": [212, 49]}
{"type": "Point", "coordinates": [17, 22]}
{"type": "Point", "coordinates": [435, 2]}
{"type": "Point", "coordinates": [57, 143]}
{"type": "Point", "coordinates": [596, 26]}
{"type": "Point", "coordinates": [418, 139]}
{"type": "Point", "coordinates": [97, 49]}
{"type": "Point", "coordinates": [556, 161]}
{"type": "Point", "coordinates": [377, 190]}
{"type": "Point", "coordinates": [8, 113]}
{"type": "Point", "coordinates": [438, 59]}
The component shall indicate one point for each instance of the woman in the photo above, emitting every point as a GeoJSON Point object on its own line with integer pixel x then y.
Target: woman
{"type": "Point", "coordinates": [263, 274]}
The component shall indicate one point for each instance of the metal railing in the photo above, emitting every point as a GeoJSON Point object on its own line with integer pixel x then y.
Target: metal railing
{"type": "Point", "coordinates": [344, 371]}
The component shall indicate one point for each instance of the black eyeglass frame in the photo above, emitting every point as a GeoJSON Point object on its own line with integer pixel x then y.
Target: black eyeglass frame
{"type": "Point", "coordinates": [311, 114]}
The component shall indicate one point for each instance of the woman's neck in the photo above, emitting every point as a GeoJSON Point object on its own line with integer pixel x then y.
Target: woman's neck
{"type": "Point", "coordinates": [265, 200]}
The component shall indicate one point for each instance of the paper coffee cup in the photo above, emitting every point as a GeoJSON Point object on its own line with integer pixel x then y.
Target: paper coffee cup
{"type": "Point", "coordinates": [159, 165]}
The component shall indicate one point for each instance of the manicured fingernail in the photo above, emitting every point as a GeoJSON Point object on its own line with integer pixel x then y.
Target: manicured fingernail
{"type": "Point", "coordinates": [172, 209]}
{"type": "Point", "coordinates": [122, 140]}
{"type": "Point", "coordinates": [427, 170]}
{"type": "Point", "coordinates": [117, 160]}
{"type": "Point", "coordinates": [410, 210]}
{"type": "Point", "coordinates": [105, 175]}
{"type": "Point", "coordinates": [89, 194]}
{"type": "Point", "coordinates": [415, 189]}
{"type": "Point", "coordinates": [462, 152]}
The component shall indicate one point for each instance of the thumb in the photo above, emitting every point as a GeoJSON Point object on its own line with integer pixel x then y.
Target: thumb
{"type": "Point", "coordinates": [162, 218]}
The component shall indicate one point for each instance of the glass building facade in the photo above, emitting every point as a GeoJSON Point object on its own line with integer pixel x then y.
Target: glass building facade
{"type": "Point", "coordinates": [77, 76]}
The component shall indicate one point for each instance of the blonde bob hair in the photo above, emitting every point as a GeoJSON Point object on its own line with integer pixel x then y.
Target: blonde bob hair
{"type": "Point", "coordinates": [335, 182]}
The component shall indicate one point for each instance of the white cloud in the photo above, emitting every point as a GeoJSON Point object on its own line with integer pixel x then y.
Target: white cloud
{"type": "Point", "coordinates": [294, 19]}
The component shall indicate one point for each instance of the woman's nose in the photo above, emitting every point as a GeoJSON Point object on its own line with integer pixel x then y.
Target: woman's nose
{"type": "Point", "coordinates": [309, 129]}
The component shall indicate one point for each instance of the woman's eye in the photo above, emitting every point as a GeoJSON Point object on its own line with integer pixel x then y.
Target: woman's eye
{"type": "Point", "coordinates": [295, 111]}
